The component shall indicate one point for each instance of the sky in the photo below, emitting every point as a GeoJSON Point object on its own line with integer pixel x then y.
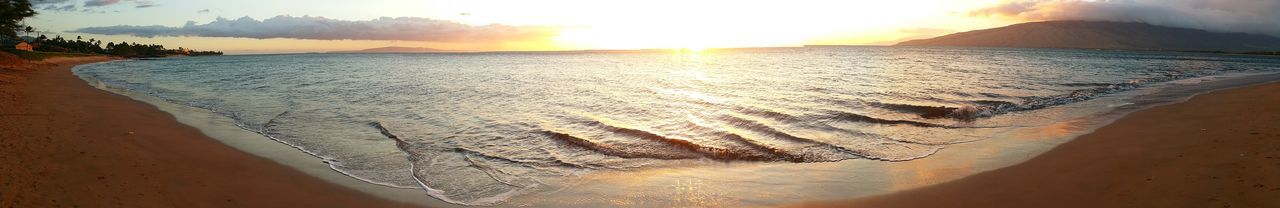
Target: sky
{"type": "Point", "coordinates": [290, 26]}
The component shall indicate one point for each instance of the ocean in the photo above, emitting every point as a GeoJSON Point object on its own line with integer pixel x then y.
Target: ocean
{"type": "Point", "coordinates": [482, 128]}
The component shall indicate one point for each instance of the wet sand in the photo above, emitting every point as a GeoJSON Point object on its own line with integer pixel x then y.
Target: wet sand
{"type": "Point", "coordinates": [1220, 149]}
{"type": "Point", "coordinates": [66, 144]}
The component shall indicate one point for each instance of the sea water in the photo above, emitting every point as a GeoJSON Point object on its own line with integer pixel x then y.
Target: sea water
{"type": "Point", "coordinates": [480, 128]}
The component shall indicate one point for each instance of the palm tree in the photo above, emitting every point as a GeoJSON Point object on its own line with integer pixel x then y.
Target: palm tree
{"type": "Point", "coordinates": [12, 15]}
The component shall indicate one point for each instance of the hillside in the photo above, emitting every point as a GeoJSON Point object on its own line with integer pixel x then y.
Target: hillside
{"type": "Point", "coordinates": [1103, 35]}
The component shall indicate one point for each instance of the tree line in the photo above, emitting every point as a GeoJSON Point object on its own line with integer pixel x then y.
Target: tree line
{"type": "Point", "coordinates": [125, 49]}
{"type": "Point", "coordinates": [12, 12]}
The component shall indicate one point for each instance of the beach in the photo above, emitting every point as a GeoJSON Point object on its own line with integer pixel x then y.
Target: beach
{"type": "Point", "coordinates": [1220, 149]}
{"type": "Point", "coordinates": [65, 143]}
{"type": "Point", "coordinates": [582, 104]}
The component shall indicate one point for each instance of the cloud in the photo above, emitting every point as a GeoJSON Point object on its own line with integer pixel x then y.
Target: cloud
{"type": "Point", "coordinates": [320, 28]}
{"type": "Point", "coordinates": [90, 6]}
{"type": "Point", "coordinates": [48, 2]}
{"type": "Point", "coordinates": [54, 5]}
{"type": "Point", "coordinates": [57, 8]}
{"type": "Point", "coordinates": [1246, 16]}
{"type": "Point", "coordinates": [202, 11]}
{"type": "Point", "coordinates": [98, 3]}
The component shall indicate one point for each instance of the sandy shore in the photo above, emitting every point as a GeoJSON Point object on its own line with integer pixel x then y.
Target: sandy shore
{"type": "Point", "coordinates": [1220, 149]}
{"type": "Point", "coordinates": [64, 143]}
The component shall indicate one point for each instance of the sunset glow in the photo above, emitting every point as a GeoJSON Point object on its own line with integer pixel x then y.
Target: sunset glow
{"type": "Point", "coordinates": [568, 24]}
{"type": "Point", "coordinates": [488, 25]}
{"type": "Point", "coordinates": [718, 24]}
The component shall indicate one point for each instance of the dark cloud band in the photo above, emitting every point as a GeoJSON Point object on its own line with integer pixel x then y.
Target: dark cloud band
{"type": "Point", "coordinates": [90, 6]}
{"type": "Point", "coordinates": [320, 28]}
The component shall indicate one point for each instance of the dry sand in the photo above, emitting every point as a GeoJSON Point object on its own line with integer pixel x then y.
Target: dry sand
{"type": "Point", "coordinates": [64, 143]}
{"type": "Point", "coordinates": [1220, 149]}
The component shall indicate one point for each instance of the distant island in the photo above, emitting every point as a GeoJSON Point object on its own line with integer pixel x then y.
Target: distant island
{"type": "Point", "coordinates": [1105, 35]}
{"type": "Point", "coordinates": [396, 49]}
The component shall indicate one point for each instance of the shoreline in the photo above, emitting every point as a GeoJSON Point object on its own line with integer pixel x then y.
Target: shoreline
{"type": "Point", "coordinates": [72, 144]}
{"type": "Point", "coordinates": [226, 131]}
{"type": "Point", "coordinates": [852, 179]}
{"type": "Point", "coordinates": [222, 131]}
{"type": "Point", "coordinates": [1215, 148]}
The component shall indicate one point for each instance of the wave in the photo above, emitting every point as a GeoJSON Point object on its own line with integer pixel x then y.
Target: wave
{"type": "Point", "coordinates": [415, 157]}
{"type": "Point", "coordinates": [775, 154]}
{"type": "Point", "coordinates": [752, 153]}
{"type": "Point", "coordinates": [687, 146]}
{"type": "Point", "coordinates": [924, 111]}
{"type": "Point", "coordinates": [605, 149]}
{"type": "Point", "coordinates": [977, 109]}
{"type": "Point", "coordinates": [1088, 84]}
{"type": "Point", "coordinates": [852, 117]}
{"type": "Point", "coordinates": [495, 173]}
{"type": "Point", "coordinates": [272, 122]}
{"type": "Point", "coordinates": [774, 115]}
{"type": "Point", "coordinates": [808, 122]}
{"type": "Point", "coordinates": [782, 147]}
{"type": "Point", "coordinates": [809, 151]}
{"type": "Point", "coordinates": [526, 163]}
{"type": "Point", "coordinates": [971, 110]}
{"type": "Point", "coordinates": [985, 108]}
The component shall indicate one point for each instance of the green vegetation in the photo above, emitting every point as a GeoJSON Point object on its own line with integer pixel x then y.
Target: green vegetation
{"type": "Point", "coordinates": [36, 55]}
{"type": "Point", "coordinates": [124, 49]}
{"type": "Point", "coordinates": [12, 12]}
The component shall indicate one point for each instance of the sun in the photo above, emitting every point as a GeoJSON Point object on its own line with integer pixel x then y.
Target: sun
{"type": "Point", "coordinates": [690, 43]}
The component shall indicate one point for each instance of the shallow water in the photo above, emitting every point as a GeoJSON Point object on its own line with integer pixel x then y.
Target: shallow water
{"type": "Point", "coordinates": [478, 128]}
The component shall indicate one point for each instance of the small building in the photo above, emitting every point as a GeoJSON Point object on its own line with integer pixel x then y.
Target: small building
{"type": "Point", "coordinates": [24, 46]}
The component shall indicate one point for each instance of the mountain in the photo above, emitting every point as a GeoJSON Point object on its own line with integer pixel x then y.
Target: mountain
{"type": "Point", "coordinates": [395, 49]}
{"type": "Point", "coordinates": [1103, 35]}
